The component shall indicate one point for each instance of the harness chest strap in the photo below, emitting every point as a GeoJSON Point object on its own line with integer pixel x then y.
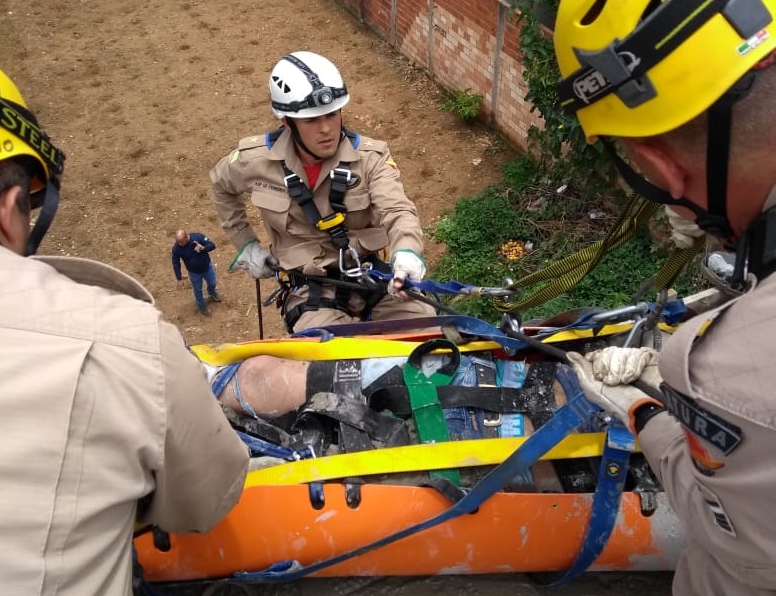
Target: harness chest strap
{"type": "Point", "coordinates": [334, 223]}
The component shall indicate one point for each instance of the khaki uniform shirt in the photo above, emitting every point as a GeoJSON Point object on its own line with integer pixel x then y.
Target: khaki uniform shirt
{"type": "Point", "coordinates": [102, 407]}
{"type": "Point", "coordinates": [379, 213]}
{"type": "Point", "coordinates": [717, 462]}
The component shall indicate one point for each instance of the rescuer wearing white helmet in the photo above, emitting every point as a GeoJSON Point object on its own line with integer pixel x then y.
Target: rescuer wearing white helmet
{"type": "Point", "coordinates": [686, 89]}
{"type": "Point", "coordinates": [331, 200]}
{"type": "Point", "coordinates": [106, 417]}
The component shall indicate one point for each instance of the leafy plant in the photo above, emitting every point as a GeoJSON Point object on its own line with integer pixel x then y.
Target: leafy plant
{"type": "Point", "coordinates": [513, 230]}
{"type": "Point", "coordinates": [466, 104]}
{"type": "Point", "coordinates": [560, 145]}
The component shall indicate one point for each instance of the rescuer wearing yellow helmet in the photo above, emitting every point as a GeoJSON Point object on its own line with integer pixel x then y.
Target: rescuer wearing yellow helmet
{"type": "Point", "coordinates": [682, 94]}
{"type": "Point", "coordinates": [30, 154]}
{"type": "Point", "coordinates": [106, 416]}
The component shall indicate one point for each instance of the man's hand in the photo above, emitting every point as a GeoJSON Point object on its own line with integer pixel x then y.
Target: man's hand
{"type": "Point", "coordinates": [181, 284]}
{"type": "Point", "coordinates": [257, 261]}
{"type": "Point", "coordinates": [683, 231]}
{"type": "Point", "coordinates": [405, 264]}
{"type": "Point", "coordinates": [619, 365]}
{"type": "Point", "coordinates": [198, 247]}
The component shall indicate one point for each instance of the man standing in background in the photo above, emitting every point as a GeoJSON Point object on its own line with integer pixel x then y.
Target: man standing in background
{"type": "Point", "coordinates": [194, 250]}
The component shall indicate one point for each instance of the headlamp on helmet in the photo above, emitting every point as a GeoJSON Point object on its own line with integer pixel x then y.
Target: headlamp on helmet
{"type": "Point", "coordinates": [639, 68]}
{"type": "Point", "coordinates": [306, 85]}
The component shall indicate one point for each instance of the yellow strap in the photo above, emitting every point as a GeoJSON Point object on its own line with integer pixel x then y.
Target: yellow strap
{"type": "Point", "coordinates": [304, 349]}
{"type": "Point", "coordinates": [418, 458]}
{"type": "Point", "coordinates": [676, 262]}
{"type": "Point", "coordinates": [575, 334]}
{"type": "Point", "coordinates": [563, 275]}
{"type": "Point", "coordinates": [361, 347]}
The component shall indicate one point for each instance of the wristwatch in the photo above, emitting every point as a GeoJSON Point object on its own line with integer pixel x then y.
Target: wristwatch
{"type": "Point", "coordinates": [644, 414]}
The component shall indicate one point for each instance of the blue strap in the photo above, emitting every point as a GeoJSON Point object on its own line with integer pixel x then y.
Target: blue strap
{"type": "Point", "coordinates": [619, 445]}
{"type": "Point", "coordinates": [222, 379]}
{"type": "Point", "coordinates": [463, 323]}
{"type": "Point", "coordinates": [261, 447]}
{"type": "Point", "coordinates": [565, 420]}
{"type": "Point", "coordinates": [673, 312]}
{"type": "Point", "coordinates": [429, 285]}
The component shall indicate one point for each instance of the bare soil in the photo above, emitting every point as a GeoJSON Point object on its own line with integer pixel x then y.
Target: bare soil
{"type": "Point", "coordinates": [144, 97]}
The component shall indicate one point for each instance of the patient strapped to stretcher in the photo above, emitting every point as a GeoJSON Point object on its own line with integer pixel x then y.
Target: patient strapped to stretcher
{"type": "Point", "coordinates": [436, 394]}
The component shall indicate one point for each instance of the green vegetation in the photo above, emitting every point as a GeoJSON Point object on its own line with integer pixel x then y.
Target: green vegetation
{"type": "Point", "coordinates": [532, 221]}
{"type": "Point", "coordinates": [465, 104]}
{"type": "Point", "coordinates": [560, 146]}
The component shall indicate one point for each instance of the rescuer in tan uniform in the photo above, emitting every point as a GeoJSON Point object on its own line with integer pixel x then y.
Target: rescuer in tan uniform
{"type": "Point", "coordinates": [331, 201]}
{"type": "Point", "coordinates": [687, 90]}
{"type": "Point", "coordinates": [107, 418]}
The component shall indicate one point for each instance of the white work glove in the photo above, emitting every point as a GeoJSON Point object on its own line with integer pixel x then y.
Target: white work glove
{"type": "Point", "coordinates": [683, 231]}
{"type": "Point", "coordinates": [257, 261]}
{"type": "Point", "coordinates": [405, 264]}
{"type": "Point", "coordinates": [620, 365]}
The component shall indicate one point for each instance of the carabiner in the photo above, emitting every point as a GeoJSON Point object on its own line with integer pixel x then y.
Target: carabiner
{"type": "Point", "coordinates": [353, 271]}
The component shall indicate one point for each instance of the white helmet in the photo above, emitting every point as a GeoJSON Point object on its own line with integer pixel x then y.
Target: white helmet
{"type": "Point", "coordinates": [306, 85]}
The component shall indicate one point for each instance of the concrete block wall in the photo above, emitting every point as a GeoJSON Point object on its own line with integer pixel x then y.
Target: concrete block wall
{"type": "Point", "coordinates": [463, 44]}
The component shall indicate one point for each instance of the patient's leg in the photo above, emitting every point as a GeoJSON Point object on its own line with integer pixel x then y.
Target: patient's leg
{"type": "Point", "coordinates": [270, 386]}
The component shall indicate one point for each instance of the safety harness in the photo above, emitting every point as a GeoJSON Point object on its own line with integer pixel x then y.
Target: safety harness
{"type": "Point", "coordinates": [350, 266]}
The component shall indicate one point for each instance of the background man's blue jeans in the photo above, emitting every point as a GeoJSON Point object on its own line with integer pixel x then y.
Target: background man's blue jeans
{"type": "Point", "coordinates": [196, 284]}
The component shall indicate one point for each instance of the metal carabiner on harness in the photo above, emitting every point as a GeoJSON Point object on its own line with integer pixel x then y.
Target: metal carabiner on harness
{"type": "Point", "coordinates": [355, 271]}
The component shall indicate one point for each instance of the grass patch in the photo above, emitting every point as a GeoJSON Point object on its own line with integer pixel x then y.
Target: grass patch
{"type": "Point", "coordinates": [530, 221]}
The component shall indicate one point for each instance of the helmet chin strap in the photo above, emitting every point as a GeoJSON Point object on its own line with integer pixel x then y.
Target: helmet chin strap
{"type": "Point", "coordinates": [298, 138]}
{"type": "Point", "coordinates": [47, 211]}
{"type": "Point", "coordinates": [714, 219]}
{"type": "Point", "coordinates": [719, 126]}
{"type": "Point", "coordinates": [645, 188]}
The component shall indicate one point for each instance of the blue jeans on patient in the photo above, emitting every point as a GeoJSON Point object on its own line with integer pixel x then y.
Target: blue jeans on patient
{"type": "Point", "coordinates": [209, 277]}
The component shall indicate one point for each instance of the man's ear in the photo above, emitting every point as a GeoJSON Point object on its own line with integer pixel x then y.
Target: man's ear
{"type": "Point", "coordinates": [661, 166]}
{"type": "Point", "coordinates": [9, 218]}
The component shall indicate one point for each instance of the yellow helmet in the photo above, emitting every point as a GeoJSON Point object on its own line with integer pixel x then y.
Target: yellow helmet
{"type": "Point", "coordinates": [20, 136]}
{"type": "Point", "coordinates": [637, 68]}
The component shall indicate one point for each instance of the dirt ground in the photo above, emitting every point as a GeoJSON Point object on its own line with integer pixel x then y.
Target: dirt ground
{"type": "Point", "coordinates": [144, 97]}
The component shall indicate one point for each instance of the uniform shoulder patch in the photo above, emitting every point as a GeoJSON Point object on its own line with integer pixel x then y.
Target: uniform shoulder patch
{"type": "Point", "coordinates": [251, 142]}
{"type": "Point", "coordinates": [721, 433]}
{"type": "Point", "coordinates": [367, 144]}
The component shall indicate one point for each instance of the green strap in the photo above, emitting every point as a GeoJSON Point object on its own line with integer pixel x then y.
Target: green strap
{"type": "Point", "coordinates": [426, 409]}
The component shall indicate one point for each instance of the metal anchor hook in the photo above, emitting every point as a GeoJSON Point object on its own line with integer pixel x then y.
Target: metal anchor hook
{"type": "Point", "coordinates": [357, 270]}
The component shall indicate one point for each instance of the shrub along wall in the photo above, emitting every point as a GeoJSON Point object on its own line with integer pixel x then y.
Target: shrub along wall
{"type": "Point", "coordinates": [462, 44]}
